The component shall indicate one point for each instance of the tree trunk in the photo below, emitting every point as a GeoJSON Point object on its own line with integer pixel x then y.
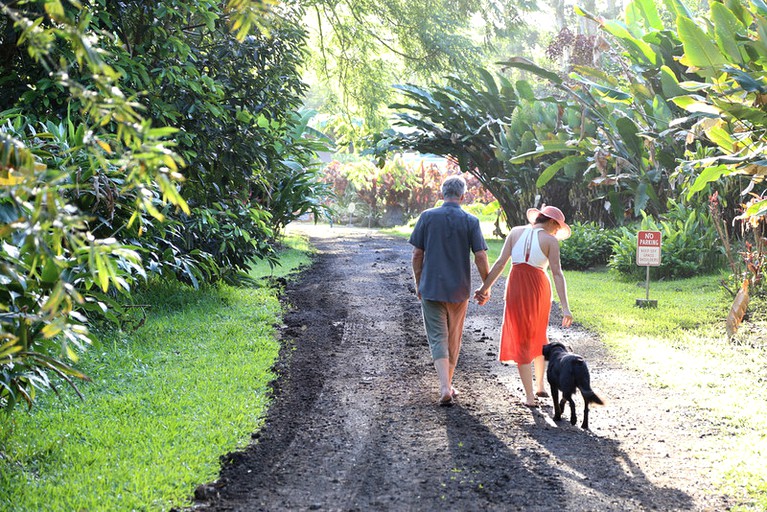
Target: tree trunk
{"type": "Point", "coordinates": [586, 26]}
{"type": "Point", "coordinates": [560, 18]}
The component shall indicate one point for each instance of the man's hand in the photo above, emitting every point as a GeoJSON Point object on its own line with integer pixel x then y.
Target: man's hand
{"type": "Point", "coordinates": [481, 297]}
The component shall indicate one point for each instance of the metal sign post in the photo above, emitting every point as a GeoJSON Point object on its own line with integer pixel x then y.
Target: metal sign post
{"type": "Point", "coordinates": [648, 255]}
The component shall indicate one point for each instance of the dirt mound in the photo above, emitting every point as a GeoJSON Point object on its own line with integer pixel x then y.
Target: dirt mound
{"type": "Point", "coordinates": [355, 423]}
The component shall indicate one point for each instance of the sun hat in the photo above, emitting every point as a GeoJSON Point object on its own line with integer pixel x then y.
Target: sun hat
{"type": "Point", "coordinates": [551, 212]}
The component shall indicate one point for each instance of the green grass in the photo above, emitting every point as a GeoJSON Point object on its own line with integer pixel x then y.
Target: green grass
{"type": "Point", "coordinates": [681, 346]}
{"type": "Point", "coordinates": [166, 401]}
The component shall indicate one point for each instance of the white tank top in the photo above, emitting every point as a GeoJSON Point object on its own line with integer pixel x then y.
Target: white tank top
{"type": "Point", "coordinates": [528, 250]}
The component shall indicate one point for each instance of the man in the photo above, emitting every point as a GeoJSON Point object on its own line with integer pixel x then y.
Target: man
{"type": "Point", "coordinates": [442, 241]}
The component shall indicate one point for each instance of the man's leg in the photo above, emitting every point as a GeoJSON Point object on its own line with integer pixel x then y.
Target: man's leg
{"type": "Point", "coordinates": [456, 315]}
{"type": "Point", "coordinates": [436, 325]}
{"type": "Point", "coordinates": [442, 366]}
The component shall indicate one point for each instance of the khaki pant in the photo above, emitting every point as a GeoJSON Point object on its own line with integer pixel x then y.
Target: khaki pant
{"type": "Point", "coordinates": [444, 327]}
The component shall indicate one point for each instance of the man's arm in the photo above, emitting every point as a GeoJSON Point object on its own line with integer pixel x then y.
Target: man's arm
{"type": "Point", "coordinates": [417, 269]}
{"type": "Point", "coordinates": [482, 263]}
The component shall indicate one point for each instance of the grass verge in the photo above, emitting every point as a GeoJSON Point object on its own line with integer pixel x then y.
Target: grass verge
{"type": "Point", "coordinates": [166, 401]}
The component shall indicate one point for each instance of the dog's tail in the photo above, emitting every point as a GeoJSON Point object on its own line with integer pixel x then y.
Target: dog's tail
{"type": "Point", "coordinates": [584, 385]}
{"type": "Point", "coordinates": [591, 398]}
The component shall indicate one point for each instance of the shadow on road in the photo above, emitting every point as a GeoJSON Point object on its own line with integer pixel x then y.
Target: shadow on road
{"type": "Point", "coordinates": [609, 472]}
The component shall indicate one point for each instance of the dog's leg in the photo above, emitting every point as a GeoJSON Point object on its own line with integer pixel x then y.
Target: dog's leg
{"type": "Point", "coordinates": [557, 405]}
{"type": "Point", "coordinates": [585, 424]}
{"type": "Point", "coordinates": [573, 418]}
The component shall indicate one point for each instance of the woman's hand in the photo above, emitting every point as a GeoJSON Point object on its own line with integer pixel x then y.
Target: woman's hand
{"type": "Point", "coordinates": [567, 318]}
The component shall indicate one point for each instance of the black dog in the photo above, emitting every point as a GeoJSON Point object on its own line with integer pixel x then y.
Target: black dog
{"type": "Point", "coordinates": [568, 372]}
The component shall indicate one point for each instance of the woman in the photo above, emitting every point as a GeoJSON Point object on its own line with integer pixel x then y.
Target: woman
{"type": "Point", "coordinates": [532, 249]}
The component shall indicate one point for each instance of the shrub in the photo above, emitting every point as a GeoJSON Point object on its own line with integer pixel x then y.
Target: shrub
{"type": "Point", "coordinates": [588, 246]}
{"type": "Point", "coordinates": [689, 244]}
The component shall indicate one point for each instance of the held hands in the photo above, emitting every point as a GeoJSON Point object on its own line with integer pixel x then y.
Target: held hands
{"type": "Point", "coordinates": [481, 297]}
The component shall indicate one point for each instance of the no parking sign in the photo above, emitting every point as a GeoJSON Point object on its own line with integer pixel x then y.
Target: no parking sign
{"type": "Point", "coordinates": [648, 248]}
{"type": "Point", "coordinates": [648, 255]}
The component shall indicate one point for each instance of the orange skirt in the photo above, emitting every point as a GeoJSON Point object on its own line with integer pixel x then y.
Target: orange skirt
{"type": "Point", "coordinates": [526, 315]}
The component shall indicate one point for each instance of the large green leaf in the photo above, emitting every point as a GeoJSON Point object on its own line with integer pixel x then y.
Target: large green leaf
{"type": "Point", "coordinates": [760, 43]}
{"type": "Point", "coordinates": [525, 90]}
{"type": "Point", "coordinates": [721, 137]}
{"type": "Point", "coordinates": [661, 112]}
{"type": "Point", "coordinates": [628, 131]}
{"type": "Point", "coordinates": [740, 11]}
{"type": "Point", "coordinates": [636, 47]}
{"type": "Point", "coordinates": [596, 74]}
{"type": "Point", "coordinates": [607, 93]}
{"type": "Point", "coordinates": [699, 50]}
{"type": "Point", "coordinates": [758, 209]}
{"type": "Point", "coordinates": [645, 11]}
{"type": "Point", "coordinates": [551, 170]}
{"type": "Point", "coordinates": [547, 147]}
{"type": "Point", "coordinates": [669, 83]}
{"type": "Point", "coordinates": [760, 6]}
{"type": "Point", "coordinates": [708, 175]}
{"type": "Point", "coordinates": [678, 8]}
{"type": "Point", "coordinates": [726, 28]}
{"type": "Point", "coordinates": [695, 104]}
{"type": "Point", "coordinates": [528, 65]}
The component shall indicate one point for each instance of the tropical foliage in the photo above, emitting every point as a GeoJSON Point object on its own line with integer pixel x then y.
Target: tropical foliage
{"type": "Point", "coordinates": [589, 245]}
{"type": "Point", "coordinates": [646, 124]}
{"type": "Point", "coordinates": [689, 244]}
{"type": "Point", "coordinates": [394, 193]}
{"type": "Point", "coordinates": [137, 138]}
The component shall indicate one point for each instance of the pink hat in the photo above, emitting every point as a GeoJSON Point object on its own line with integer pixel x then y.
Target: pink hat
{"type": "Point", "coordinates": [551, 212]}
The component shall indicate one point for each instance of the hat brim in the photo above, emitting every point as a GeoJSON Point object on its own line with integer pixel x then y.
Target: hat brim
{"type": "Point", "coordinates": [564, 231]}
{"type": "Point", "coordinates": [532, 214]}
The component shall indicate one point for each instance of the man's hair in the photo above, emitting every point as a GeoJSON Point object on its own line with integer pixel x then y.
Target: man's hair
{"type": "Point", "coordinates": [453, 187]}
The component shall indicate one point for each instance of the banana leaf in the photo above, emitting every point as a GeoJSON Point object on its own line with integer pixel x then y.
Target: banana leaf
{"type": "Point", "coordinates": [552, 170]}
{"type": "Point", "coordinates": [699, 50]}
{"type": "Point", "coordinates": [726, 28]}
{"type": "Point", "coordinates": [528, 65]}
{"type": "Point", "coordinates": [645, 11]}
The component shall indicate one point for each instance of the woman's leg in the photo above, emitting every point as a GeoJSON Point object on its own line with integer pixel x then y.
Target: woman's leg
{"type": "Point", "coordinates": [540, 365]}
{"type": "Point", "coordinates": [526, 374]}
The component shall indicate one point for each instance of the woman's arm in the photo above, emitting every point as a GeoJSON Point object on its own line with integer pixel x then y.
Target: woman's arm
{"type": "Point", "coordinates": [559, 280]}
{"type": "Point", "coordinates": [482, 294]}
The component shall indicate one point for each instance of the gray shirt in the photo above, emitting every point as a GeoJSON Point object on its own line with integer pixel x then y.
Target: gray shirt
{"type": "Point", "coordinates": [448, 236]}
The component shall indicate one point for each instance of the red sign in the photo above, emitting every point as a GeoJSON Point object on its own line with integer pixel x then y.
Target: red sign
{"type": "Point", "coordinates": [648, 248]}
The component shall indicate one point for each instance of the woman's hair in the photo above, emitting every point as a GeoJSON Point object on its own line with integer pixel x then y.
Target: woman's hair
{"type": "Point", "coordinates": [542, 219]}
{"type": "Point", "coordinates": [453, 187]}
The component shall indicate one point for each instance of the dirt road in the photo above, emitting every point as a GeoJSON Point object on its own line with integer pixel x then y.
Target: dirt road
{"type": "Point", "coordinates": [355, 423]}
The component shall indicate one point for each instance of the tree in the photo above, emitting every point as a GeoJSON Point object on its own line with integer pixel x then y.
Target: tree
{"type": "Point", "coordinates": [361, 48]}
{"type": "Point", "coordinates": [86, 156]}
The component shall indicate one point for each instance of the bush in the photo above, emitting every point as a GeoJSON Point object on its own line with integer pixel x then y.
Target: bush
{"type": "Point", "coordinates": [689, 244]}
{"type": "Point", "coordinates": [588, 246]}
